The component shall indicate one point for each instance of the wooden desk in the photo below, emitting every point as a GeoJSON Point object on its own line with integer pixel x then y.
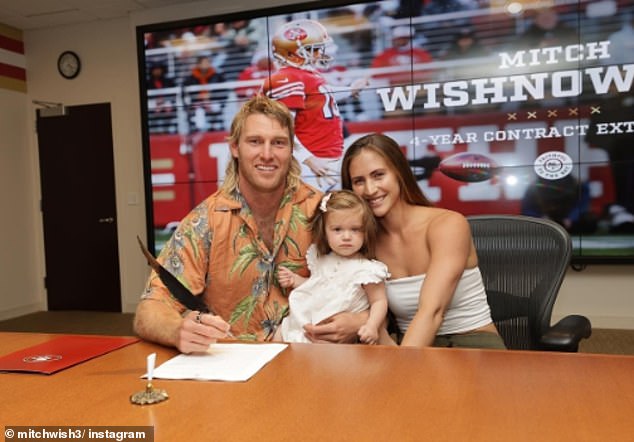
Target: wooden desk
{"type": "Point", "coordinates": [343, 392]}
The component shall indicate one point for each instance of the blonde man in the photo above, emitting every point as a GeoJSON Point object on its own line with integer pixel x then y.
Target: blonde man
{"type": "Point", "coordinates": [228, 248]}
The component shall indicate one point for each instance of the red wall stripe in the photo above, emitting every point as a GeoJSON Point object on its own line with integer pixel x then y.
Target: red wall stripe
{"type": "Point", "coordinates": [11, 44]}
{"type": "Point", "coordinates": [7, 70]}
{"type": "Point", "coordinates": [12, 77]}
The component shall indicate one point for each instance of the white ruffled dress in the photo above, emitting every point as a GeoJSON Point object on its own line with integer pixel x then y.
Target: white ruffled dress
{"type": "Point", "coordinates": [334, 286]}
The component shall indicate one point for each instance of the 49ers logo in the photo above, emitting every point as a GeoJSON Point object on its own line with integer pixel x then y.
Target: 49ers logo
{"type": "Point", "coordinates": [295, 34]}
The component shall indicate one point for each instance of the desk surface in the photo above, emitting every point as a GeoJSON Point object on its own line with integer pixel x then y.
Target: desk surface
{"type": "Point", "coordinates": [342, 392]}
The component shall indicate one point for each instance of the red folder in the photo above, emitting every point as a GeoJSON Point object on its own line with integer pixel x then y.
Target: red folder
{"type": "Point", "coordinates": [62, 352]}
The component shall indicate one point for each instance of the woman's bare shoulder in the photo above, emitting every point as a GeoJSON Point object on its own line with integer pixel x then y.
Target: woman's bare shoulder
{"type": "Point", "coordinates": [445, 215]}
{"type": "Point", "coordinates": [435, 218]}
{"type": "Point", "coordinates": [448, 222]}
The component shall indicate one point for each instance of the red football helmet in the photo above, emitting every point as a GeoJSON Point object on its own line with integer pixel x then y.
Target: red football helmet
{"type": "Point", "coordinates": [302, 43]}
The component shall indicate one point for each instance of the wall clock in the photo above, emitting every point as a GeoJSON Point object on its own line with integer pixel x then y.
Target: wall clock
{"type": "Point", "coordinates": [68, 64]}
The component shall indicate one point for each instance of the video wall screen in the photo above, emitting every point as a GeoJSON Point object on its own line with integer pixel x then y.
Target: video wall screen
{"type": "Point", "coordinates": [500, 107]}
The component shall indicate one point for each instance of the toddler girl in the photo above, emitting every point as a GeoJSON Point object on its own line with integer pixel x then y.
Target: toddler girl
{"type": "Point", "coordinates": [343, 275]}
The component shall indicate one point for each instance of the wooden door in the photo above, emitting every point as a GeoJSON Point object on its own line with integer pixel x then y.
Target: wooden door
{"type": "Point", "coordinates": [79, 209]}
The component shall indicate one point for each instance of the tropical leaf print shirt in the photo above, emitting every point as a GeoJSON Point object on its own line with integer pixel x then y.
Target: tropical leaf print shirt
{"type": "Point", "coordinates": [216, 252]}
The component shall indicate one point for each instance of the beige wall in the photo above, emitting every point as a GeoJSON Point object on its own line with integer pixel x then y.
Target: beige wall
{"type": "Point", "coordinates": [109, 74]}
{"type": "Point", "coordinates": [21, 259]}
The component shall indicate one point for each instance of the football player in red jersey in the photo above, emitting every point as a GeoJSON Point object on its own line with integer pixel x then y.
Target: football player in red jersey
{"type": "Point", "coordinates": [299, 48]}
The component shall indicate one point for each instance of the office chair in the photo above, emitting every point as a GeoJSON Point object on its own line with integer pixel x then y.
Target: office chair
{"type": "Point", "coordinates": [523, 261]}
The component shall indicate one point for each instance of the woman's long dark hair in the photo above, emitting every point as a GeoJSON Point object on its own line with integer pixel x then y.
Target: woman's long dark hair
{"type": "Point", "coordinates": [391, 152]}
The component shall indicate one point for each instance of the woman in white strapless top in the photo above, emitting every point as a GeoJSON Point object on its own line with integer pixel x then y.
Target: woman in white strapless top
{"type": "Point", "coordinates": [436, 290]}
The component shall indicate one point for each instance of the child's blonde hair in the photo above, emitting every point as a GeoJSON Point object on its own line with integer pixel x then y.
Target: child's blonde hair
{"type": "Point", "coordinates": [343, 200]}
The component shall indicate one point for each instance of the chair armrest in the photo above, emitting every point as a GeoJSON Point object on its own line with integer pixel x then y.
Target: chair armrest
{"type": "Point", "coordinates": [566, 334]}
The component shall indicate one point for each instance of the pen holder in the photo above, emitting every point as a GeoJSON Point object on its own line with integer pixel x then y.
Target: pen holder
{"type": "Point", "coordinates": [149, 396]}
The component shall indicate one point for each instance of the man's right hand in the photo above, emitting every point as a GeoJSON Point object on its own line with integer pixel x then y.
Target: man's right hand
{"type": "Point", "coordinates": [199, 330]}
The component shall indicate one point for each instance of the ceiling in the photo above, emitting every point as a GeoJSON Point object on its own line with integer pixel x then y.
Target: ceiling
{"type": "Point", "coordinates": [36, 14]}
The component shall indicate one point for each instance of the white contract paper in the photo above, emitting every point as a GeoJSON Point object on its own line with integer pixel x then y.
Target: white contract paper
{"type": "Point", "coordinates": [222, 362]}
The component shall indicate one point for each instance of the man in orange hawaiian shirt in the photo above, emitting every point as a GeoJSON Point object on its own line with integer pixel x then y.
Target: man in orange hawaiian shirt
{"type": "Point", "coordinates": [229, 246]}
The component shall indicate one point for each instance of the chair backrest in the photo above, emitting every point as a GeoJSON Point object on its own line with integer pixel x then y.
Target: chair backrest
{"type": "Point", "coordinates": [523, 261]}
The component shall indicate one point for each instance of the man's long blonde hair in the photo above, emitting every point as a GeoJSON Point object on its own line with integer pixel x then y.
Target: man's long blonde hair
{"type": "Point", "coordinates": [261, 104]}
